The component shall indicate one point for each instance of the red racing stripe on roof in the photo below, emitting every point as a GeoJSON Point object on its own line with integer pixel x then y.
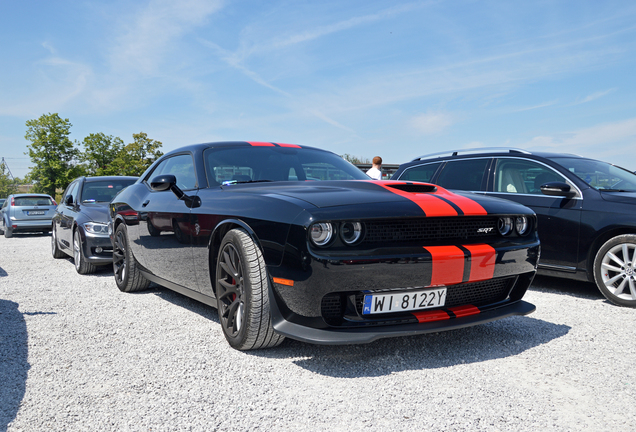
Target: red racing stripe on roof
{"type": "Point", "coordinates": [431, 205]}
{"type": "Point", "coordinates": [482, 262]}
{"type": "Point", "coordinates": [448, 265]}
{"type": "Point", "coordinates": [260, 144]}
{"type": "Point", "coordinates": [289, 145]}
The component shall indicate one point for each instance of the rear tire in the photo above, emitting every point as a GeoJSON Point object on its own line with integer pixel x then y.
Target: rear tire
{"type": "Point", "coordinates": [242, 292]}
{"type": "Point", "coordinates": [81, 265]}
{"type": "Point", "coordinates": [55, 250]}
{"type": "Point", "coordinates": [615, 270]}
{"type": "Point", "coordinates": [8, 232]}
{"type": "Point", "coordinates": [127, 274]}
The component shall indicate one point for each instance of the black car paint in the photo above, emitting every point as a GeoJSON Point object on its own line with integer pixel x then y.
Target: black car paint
{"type": "Point", "coordinates": [176, 245]}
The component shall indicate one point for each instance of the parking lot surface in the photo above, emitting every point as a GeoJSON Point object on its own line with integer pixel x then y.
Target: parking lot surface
{"type": "Point", "coordinates": [77, 354]}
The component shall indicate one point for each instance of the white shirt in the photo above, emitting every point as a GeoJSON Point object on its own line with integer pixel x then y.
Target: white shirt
{"type": "Point", "coordinates": [375, 174]}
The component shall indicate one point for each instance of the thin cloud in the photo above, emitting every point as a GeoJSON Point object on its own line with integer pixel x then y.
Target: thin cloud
{"type": "Point", "coordinates": [431, 123]}
{"type": "Point", "coordinates": [543, 105]}
{"type": "Point", "coordinates": [594, 96]}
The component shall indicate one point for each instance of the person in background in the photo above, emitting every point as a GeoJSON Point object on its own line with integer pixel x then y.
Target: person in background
{"type": "Point", "coordinates": [376, 170]}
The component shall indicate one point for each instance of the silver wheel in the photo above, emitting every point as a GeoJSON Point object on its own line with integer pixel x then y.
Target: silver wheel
{"type": "Point", "coordinates": [81, 265]}
{"type": "Point", "coordinates": [615, 270]}
{"type": "Point", "coordinates": [55, 250]}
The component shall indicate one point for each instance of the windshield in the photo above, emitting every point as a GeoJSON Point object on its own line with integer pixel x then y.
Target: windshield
{"type": "Point", "coordinates": [103, 190]}
{"type": "Point", "coordinates": [600, 175]}
{"type": "Point", "coordinates": [246, 164]}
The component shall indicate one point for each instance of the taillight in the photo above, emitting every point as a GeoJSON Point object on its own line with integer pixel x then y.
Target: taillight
{"type": "Point", "coordinates": [12, 202]}
{"type": "Point", "coordinates": [54, 203]}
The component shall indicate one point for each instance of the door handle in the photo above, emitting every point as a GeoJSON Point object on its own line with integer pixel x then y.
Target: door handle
{"type": "Point", "coordinates": [145, 203]}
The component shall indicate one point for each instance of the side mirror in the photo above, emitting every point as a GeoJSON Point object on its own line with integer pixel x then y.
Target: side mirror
{"type": "Point", "coordinates": [68, 200]}
{"type": "Point", "coordinates": [557, 189]}
{"type": "Point", "coordinates": [163, 182]}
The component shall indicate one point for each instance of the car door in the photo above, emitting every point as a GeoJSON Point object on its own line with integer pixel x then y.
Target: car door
{"type": "Point", "coordinates": [559, 217]}
{"type": "Point", "coordinates": [67, 211]}
{"type": "Point", "coordinates": [165, 226]}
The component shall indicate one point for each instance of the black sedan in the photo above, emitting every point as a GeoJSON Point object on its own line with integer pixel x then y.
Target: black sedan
{"type": "Point", "coordinates": [80, 222]}
{"type": "Point", "coordinates": [288, 240]}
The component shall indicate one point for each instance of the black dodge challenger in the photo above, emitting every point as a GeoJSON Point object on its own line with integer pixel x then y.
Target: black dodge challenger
{"type": "Point", "coordinates": [289, 240]}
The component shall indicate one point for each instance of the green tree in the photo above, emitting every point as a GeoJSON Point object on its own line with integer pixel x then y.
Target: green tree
{"type": "Point", "coordinates": [135, 157]}
{"type": "Point", "coordinates": [100, 150]}
{"type": "Point", "coordinates": [8, 185]}
{"type": "Point", "coordinates": [354, 159]}
{"type": "Point", "coordinates": [52, 153]}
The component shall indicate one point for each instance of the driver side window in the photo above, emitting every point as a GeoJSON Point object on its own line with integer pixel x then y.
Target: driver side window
{"type": "Point", "coordinates": [523, 177]}
{"type": "Point", "coordinates": [181, 166]}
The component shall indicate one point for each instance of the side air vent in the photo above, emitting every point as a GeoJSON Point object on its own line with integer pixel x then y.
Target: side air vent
{"type": "Point", "coordinates": [414, 188]}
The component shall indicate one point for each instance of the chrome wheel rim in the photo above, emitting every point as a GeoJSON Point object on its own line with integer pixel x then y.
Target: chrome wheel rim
{"type": "Point", "coordinates": [618, 271]}
{"type": "Point", "coordinates": [119, 257]}
{"type": "Point", "coordinates": [77, 253]}
{"type": "Point", "coordinates": [230, 290]}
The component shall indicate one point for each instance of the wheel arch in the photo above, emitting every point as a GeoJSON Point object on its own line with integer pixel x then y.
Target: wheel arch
{"type": "Point", "coordinates": [220, 230]}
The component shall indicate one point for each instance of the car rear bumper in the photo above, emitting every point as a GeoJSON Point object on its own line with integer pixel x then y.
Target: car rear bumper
{"type": "Point", "coordinates": [31, 225]}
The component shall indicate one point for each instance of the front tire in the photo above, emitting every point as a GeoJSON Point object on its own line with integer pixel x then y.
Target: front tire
{"type": "Point", "coordinates": [127, 274]}
{"type": "Point", "coordinates": [55, 250]}
{"type": "Point", "coordinates": [615, 270]}
{"type": "Point", "coordinates": [242, 292]}
{"type": "Point", "coordinates": [82, 266]}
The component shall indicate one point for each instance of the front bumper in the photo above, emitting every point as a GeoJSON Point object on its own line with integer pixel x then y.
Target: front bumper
{"type": "Point", "coordinates": [323, 305]}
{"type": "Point", "coordinates": [97, 249]}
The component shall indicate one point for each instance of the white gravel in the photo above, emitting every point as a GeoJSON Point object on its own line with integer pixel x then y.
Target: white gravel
{"type": "Point", "coordinates": [77, 354]}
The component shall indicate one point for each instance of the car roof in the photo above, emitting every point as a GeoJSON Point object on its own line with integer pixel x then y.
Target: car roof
{"type": "Point", "coordinates": [30, 194]}
{"type": "Point", "coordinates": [493, 151]}
{"type": "Point", "coordinates": [102, 178]}
{"type": "Point", "coordinates": [202, 146]}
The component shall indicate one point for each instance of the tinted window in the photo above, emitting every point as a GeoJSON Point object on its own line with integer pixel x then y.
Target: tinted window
{"type": "Point", "coordinates": [71, 191]}
{"type": "Point", "coordinates": [464, 174]}
{"type": "Point", "coordinates": [103, 190]}
{"type": "Point", "coordinates": [423, 173]}
{"type": "Point", "coordinates": [523, 176]}
{"type": "Point", "coordinates": [599, 175]}
{"type": "Point", "coordinates": [244, 164]}
{"type": "Point", "coordinates": [33, 201]}
{"type": "Point", "coordinates": [181, 166]}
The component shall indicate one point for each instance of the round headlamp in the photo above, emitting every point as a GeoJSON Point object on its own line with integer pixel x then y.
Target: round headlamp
{"type": "Point", "coordinates": [521, 225]}
{"type": "Point", "coordinates": [321, 233]}
{"type": "Point", "coordinates": [350, 232]}
{"type": "Point", "coordinates": [504, 225]}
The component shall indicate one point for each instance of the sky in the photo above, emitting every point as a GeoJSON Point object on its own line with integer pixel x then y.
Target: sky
{"type": "Point", "coordinates": [366, 78]}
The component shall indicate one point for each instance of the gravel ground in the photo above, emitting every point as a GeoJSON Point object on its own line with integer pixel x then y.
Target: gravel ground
{"type": "Point", "coordinates": [77, 354]}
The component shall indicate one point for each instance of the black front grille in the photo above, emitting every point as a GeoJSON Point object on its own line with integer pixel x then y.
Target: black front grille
{"type": "Point", "coordinates": [459, 228]}
{"type": "Point", "coordinates": [334, 305]}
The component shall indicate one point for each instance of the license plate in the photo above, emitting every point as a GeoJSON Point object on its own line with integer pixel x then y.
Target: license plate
{"type": "Point", "coordinates": [403, 301]}
{"type": "Point", "coordinates": [35, 212]}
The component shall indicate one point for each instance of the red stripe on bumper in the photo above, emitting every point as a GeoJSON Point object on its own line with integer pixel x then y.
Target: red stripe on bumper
{"type": "Point", "coordinates": [462, 311]}
{"type": "Point", "coordinates": [427, 316]}
{"type": "Point", "coordinates": [448, 265]}
{"type": "Point", "coordinates": [482, 262]}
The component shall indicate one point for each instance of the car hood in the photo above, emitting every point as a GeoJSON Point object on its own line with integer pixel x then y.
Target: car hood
{"type": "Point", "coordinates": [621, 197]}
{"type": "Point", "coordinates": [96, 212]}
{"type": "Point", "coordinates": [434, 200]}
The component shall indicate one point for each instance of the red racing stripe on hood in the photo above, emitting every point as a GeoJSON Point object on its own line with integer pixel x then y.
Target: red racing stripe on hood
{"type": "Point", "coordinates": [468, 206]}
{"type": "Point", "coordinates": [429, 203]}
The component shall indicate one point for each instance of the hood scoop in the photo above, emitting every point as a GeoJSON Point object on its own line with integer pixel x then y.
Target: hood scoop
{"type": "Point", "coordinates": [414, 188]}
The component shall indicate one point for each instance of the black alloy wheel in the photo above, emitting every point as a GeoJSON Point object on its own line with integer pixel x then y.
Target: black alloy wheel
{"type": "Point", "coordinates": [127, 275]}
{"type": "Point", "coordinates": [242, 294]}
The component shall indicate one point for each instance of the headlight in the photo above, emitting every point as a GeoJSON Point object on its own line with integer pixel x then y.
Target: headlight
{"type": "Point", "coordinates": [350, 232]}
{"type": "Point", "coordinates": [96, 228]}
{"type": "Point", "coordinates": [521, 225]}
{"type": "Point", "coordinates": [321, 233]}
{"type": "Point", "coordinates": [504, 225]}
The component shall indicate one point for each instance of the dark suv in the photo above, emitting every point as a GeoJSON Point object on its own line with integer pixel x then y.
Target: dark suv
{"type": "Point", "coordinates": [586, 208]}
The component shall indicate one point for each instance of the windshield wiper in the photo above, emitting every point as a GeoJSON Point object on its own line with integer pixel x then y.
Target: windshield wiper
{"type": "Point", "coordinates": [232, 182]}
